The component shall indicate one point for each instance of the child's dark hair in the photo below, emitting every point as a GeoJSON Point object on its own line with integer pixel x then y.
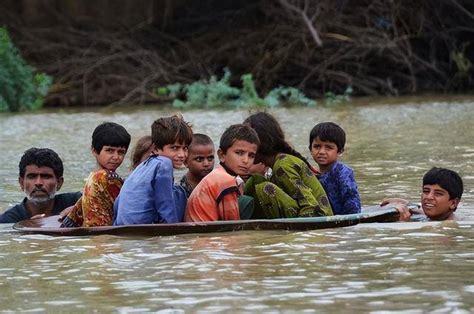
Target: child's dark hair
{"type": "Point", "coordinates": [110, 134]}
{"type": "Point", "coordinates": [141, 147]}
{"type": "Point", "coordinates": [328, 132]}
{"type": "Point", "coordinates": [238, 132]}
{"type": "Point", "coordinates": [169, 130]}
{"type": "Point", "coordinates": [201, 139]}
{"type": "Point", "coordinates": [447, 179]}
{"type": "Point", "coordinates": [41, 157]}
{"type": "Point", "coordinates": [272, 138]}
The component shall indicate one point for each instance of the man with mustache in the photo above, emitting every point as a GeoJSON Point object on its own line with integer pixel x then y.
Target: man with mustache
{"type": "Point", "coordinates": [40, 177]}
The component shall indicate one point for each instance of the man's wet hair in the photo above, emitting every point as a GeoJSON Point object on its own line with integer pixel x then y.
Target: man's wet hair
{"type": "Point", "coordinates": [110, 134]}
{"type": "Point", "coordinates": [201, 139]}
{"type": "Point", "coordinates": [41, 157]}
{"type": "Point", "coordinates": [447, 179]}
{"type": "Point", "coordinates": [169, 130]}
{"type": "Point", "coordinates": [238, 132]}
{"type": "Point", "coordinates": [328, 132]}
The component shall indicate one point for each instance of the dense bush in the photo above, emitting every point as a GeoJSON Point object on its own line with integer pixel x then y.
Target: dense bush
{"type": "Point", "coordinates": [20, 87]}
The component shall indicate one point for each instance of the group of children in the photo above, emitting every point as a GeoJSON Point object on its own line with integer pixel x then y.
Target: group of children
{"type": "Point", "coordinates": [239, 187]}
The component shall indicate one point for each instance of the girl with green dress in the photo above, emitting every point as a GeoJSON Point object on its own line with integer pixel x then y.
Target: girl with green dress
{"type": "Point", "coordinates": [293, 189]}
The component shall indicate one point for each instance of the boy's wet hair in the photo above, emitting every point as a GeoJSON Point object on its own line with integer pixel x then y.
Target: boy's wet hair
{"type": "Point", "coordinates": [328, 132]}
{"type": "Point", "coordinates": [447, 179]}
{"type": "Point", "coordinates": [110, 134]}
{"type": "Point", "coordinates": [141, 147]}
{"type": "Point", "coordinates": [169, 130]}
{"type": "Point", "coordinates": [272, 138]}
{"type": "Point", "coordinates": [238, 132]}
{"type": "Point", "coordinates": [41, 157]}
{"type": "Point", "coordinates": [201, 139]}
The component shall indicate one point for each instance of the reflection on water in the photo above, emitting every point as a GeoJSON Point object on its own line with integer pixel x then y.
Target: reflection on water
{"type": "Point", "coordinates": [412, 267]}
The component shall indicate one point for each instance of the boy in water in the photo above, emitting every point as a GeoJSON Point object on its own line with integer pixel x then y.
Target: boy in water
{"type": "Point", "coordinates": [110, 143]}
{"type": "Point", "coordinates": [149, 194]}
{"type": "Point", "coordinates": [200, 161]}
{"type": "Point", "coordinates": [326, 144]}
{"type": "Point", "coordinates": [216, 196]}
{"type": "Point", "coordinates": [441, 193]}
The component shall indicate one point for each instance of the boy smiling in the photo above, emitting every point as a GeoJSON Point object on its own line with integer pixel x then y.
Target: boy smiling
{"type": "Point", "coordinates": [441, 193]}
{"type": "Point", "coordinates": [149, 194]}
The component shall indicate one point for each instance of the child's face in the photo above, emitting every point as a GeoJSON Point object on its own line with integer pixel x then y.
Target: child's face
{"type": "Point", "coordinates": [324, 153]}
{"type": "Point", "coordinates": [200, 160]}
{"type": "Point", "coordinates": [436, 203]}
{"type": "Point", "coordinates": [177, 152]}
{"type": "Point", "coordinates": [239, 157]}
{"type": "Point", "coordinates": [110, 157]}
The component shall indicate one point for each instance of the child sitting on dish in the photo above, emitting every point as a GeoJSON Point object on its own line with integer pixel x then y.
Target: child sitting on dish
{"type": "Point", "coordinates": [110, 142]}
{"type": "Point", "coordinates": [200, 161]}
{"type": "Point", "coordinates": [149, 194]}
{"type": "Point", "coordinates": [216, 195]}
{"type": "Point", "coordinates": [326, 144]}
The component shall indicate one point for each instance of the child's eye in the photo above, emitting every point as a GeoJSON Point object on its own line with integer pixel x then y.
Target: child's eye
{"type": "Point", "coordinates": [199, 159]}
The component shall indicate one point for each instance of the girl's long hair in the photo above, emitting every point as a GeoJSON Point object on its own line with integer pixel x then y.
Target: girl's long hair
{"type": "Point", "coordinates": [272, 138]}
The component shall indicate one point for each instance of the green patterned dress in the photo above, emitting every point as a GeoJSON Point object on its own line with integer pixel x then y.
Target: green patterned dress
{"type": "Point", "coordinates": [293, 191]}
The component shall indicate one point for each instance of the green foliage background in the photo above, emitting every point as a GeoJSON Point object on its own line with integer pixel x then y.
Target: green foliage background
{"type": "Point", "coordinates": [214, 93]}
{"type": "Point", "coordinates": [20, 87]}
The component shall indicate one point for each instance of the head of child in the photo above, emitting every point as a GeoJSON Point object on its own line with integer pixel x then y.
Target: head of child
{"type": "Point", "coordinates": [441, 194]}
{"type": "Point", "coordinates": [237, 149]}
{"type": "Point", "coordinates": [200, 160]}
{"type": "Point", "coordinates": [270, 134]}
{"type": "Point", "coordinates": [326, 143]}
{"type": "Point", "coordinates": [110, 143]}
{"type": "Point", "coordinates": [171, 137]}
{"type": "Point", "coordinates": [143, 148]}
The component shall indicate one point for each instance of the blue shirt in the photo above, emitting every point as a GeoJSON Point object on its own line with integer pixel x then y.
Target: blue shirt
{"type": "Point", "coordinates": [341, 188]}
{"type": "Point", "coordinates": [148, 195]}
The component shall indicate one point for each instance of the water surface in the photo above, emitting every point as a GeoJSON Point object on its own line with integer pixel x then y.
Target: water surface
{"type": "Point", "coordinates": [411, 267]}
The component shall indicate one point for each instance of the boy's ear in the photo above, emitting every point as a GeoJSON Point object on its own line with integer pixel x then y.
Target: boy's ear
{"type": "Point", "coordinates": [94, 152]}
{"type": "Point", "coordinates": [453, 203]}
{"type": "Point", "coordinates": [221, 155]}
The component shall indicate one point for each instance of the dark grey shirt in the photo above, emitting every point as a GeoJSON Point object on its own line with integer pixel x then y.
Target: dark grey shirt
{"type": "Point", "coordinates": [19, 212]}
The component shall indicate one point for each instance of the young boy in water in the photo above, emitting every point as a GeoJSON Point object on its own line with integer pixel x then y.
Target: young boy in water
{"type": "Point", "coordinates": [110, 143]}
{"type": "Point", "coordinates": [326, 143]}
{"type": "Point", "coordinates": [216, 196]}
{"type": "Point", "coordinates": [200, 161]}
{"type": "Point", "coordinates": [149, 194]}
{"type": "Point", "coordinates": [441, 193]}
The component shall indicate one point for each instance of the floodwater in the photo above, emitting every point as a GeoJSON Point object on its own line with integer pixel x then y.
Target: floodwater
{"type": "Point", "coordinates": [400, 267]}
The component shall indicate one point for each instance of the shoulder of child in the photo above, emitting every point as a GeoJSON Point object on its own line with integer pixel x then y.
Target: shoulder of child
{"type": "Point", "coordinates": [104, 174]}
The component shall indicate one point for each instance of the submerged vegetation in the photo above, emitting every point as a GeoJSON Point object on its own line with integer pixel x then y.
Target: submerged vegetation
{"type": "Point", "coordinates": [214, 93]}
{"type": "Point", "coordinates": [20, 87]}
